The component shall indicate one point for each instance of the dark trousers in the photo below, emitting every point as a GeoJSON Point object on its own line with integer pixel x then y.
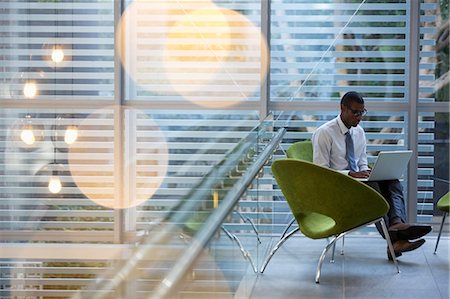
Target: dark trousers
{"type": "Point", "coordinates": [392, 191]}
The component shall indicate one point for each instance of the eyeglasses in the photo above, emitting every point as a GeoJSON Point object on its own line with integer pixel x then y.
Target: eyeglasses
{"type": "Point", "coordinates": [357, 113]}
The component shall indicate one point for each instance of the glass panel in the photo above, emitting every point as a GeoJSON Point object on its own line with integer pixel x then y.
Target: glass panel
{"type": "Point", "coordinates": [112, 187]}
{"type": "Point", "coordinates": [50, 158]}
{"type": "Point", "coordinates": [85, 192]}
{"type": "Point", "coordinates": [196, 142]}
{"type": "Point", "coordinates": [206, 53]}
{"type": "Point", "coordinates": [57, 49]}
{"type": "Point", "coordinates": [146, 268]}
{"type": "Point", "coordinates": [319, 50]}
{"type": "Point", "coordinates": [433, 55]}
{"type": "Point", "coordinates": [233, 252]}
{"type": "Point", "coordinates": [433, 172]}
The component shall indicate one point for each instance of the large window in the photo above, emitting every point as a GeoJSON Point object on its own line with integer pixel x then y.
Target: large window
{"type": "Point", "coordinates": [319, 51]}
{"type": "Point", "coordinates": [204, 53]}
{"type": "Point", "coordinates": [187, 70]}
{"type": "Point", "coordinates": [112, 111]}
{"type": "Point", "coordinates": [57, 50]}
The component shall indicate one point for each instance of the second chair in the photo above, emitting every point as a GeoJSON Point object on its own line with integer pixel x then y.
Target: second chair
{"type": "Point", "coordinates": [301, 150]}
{"type": "Point", "coordinates": [444, 205]}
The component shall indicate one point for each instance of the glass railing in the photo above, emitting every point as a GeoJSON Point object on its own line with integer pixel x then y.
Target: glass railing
{"type": "Point", "coordinates": [206, 245]}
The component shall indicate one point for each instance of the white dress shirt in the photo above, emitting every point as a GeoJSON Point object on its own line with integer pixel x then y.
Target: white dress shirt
{"type": "Point", "coordinates": [329, 145]}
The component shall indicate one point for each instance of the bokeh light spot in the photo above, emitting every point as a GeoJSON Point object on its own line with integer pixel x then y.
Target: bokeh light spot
{"type": "Point", "coordinates": [118, 180]}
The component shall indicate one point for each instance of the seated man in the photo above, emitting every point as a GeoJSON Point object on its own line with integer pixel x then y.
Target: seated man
{"type": "Point", "coordinates": [340, 144]}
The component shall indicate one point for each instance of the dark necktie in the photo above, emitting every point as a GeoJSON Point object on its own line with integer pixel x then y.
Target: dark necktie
{"type": "Point", "coordinates": [350, 152]}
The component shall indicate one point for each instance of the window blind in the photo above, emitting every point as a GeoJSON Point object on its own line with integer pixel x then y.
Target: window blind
{"type": "Point", "coordinates": [57, 50]}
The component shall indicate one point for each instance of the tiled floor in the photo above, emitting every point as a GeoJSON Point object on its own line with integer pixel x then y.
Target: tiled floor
{"type": "Point", "coordinates": [362, 272]}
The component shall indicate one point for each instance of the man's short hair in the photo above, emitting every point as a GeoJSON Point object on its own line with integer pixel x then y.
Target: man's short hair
{"type": "Point", "coordinates": [350, 97]}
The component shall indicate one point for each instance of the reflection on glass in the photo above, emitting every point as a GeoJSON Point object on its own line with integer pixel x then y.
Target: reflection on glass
{"type": "Point", "coordinates": [30, 89]}
{"type": "Point", "coordinates": [210, 55]}
{"type": "Point", "coordinates": [26, 132]}
{"type": "Point", "coordinates": [57, 55]}
{"type": "Point", "coordinates": [54, 184]}
{"type": "Point", "coordinates": [71, 134]}
{"type": "Point", "coordinates": [27, 135]}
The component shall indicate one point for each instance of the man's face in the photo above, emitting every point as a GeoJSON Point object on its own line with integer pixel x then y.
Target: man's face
{"type": "Point", "coordinates": [352, 114]}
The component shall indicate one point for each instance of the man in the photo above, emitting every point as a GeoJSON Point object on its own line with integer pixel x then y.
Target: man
{"type": "Point", "coordinates": [340, 144]}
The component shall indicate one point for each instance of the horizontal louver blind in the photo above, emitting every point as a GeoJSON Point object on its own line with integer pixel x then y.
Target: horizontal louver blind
{"type": "Point", "coordinates": [321, 49]}
{"type": "Point", "coordinates": [31, 208]}
{"type": "Point", "coordinates": [198, 51]}
{"type": "Point", "coordinates": [164, 155]}
{"type": "Point", "coordinates": [57, 49]}
{"type": "Point", "coordinates": [432, 127]}
{"type": "Point", "coordinates": [196, 141]}
{"type": "Point", "coordinates": [427, 62]}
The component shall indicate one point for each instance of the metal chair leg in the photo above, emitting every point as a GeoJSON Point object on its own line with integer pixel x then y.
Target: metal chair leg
{"type": "Point", "coordinates": [334, 249]}
{"type": "Point", "coordinates": [440, 232]}
{"type": "Point", "coordinates": [322, 256]}
{"type": "Point", "coordinates": [276, 247]}
{"type": "Point", "coordinates": [245, 253]}
{"type": "Point", "coordinates": [332, 253]}
{"type": "Point", "coordinates": [335, 239]}
{"type": "Point", "coordinates": [287, 228]}
{"type": "Point", "coordinates": [389, 243]}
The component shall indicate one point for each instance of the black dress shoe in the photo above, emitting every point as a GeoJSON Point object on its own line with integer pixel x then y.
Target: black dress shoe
{"type": "Point", "coordinates": [405, 231]}
{"type": "Point", "coordinates": [404, 246]}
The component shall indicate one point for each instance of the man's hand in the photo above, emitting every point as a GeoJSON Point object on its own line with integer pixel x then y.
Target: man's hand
{"type": "Point", "coordinates": [359, 174]}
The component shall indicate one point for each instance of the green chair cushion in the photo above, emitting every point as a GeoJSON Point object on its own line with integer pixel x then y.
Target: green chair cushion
{"type": "Point", "coordinates": [444, 203]}
{"type": "Point", "coordinates": [316, 225]}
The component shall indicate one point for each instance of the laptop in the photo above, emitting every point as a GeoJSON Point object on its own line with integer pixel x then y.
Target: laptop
{"type": "Point", "coordinates": [389, 166]}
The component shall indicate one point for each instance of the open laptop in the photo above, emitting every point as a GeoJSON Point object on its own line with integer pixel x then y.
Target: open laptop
{"type": "Point", "coordinates": [389, 165]}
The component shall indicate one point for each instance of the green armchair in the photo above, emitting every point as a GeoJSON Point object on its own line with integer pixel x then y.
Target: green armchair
{"type": "Point", "coordinates": [443, 204]}
{"type": "Point", "coordinates": [327, 204]}
{"type": "Point", "coordinates": [301, 150]}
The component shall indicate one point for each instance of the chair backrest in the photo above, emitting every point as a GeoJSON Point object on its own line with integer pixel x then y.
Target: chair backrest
{"type": "Point", "coordinates": [314, 190]}
{"type": "Point", "coordinates": [444, 203]}
{"type": "Point", "coordinates": [301, 150]}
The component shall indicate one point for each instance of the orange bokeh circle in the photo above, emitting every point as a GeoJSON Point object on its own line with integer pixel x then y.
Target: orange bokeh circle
{"type": "Point", "coordinates": [214, 57]}
{"type": "Point", "coordinates": [121, 177]}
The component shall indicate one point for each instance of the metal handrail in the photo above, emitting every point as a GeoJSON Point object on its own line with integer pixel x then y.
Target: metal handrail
{"type": "Point", "coordinates": [214, 222]}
